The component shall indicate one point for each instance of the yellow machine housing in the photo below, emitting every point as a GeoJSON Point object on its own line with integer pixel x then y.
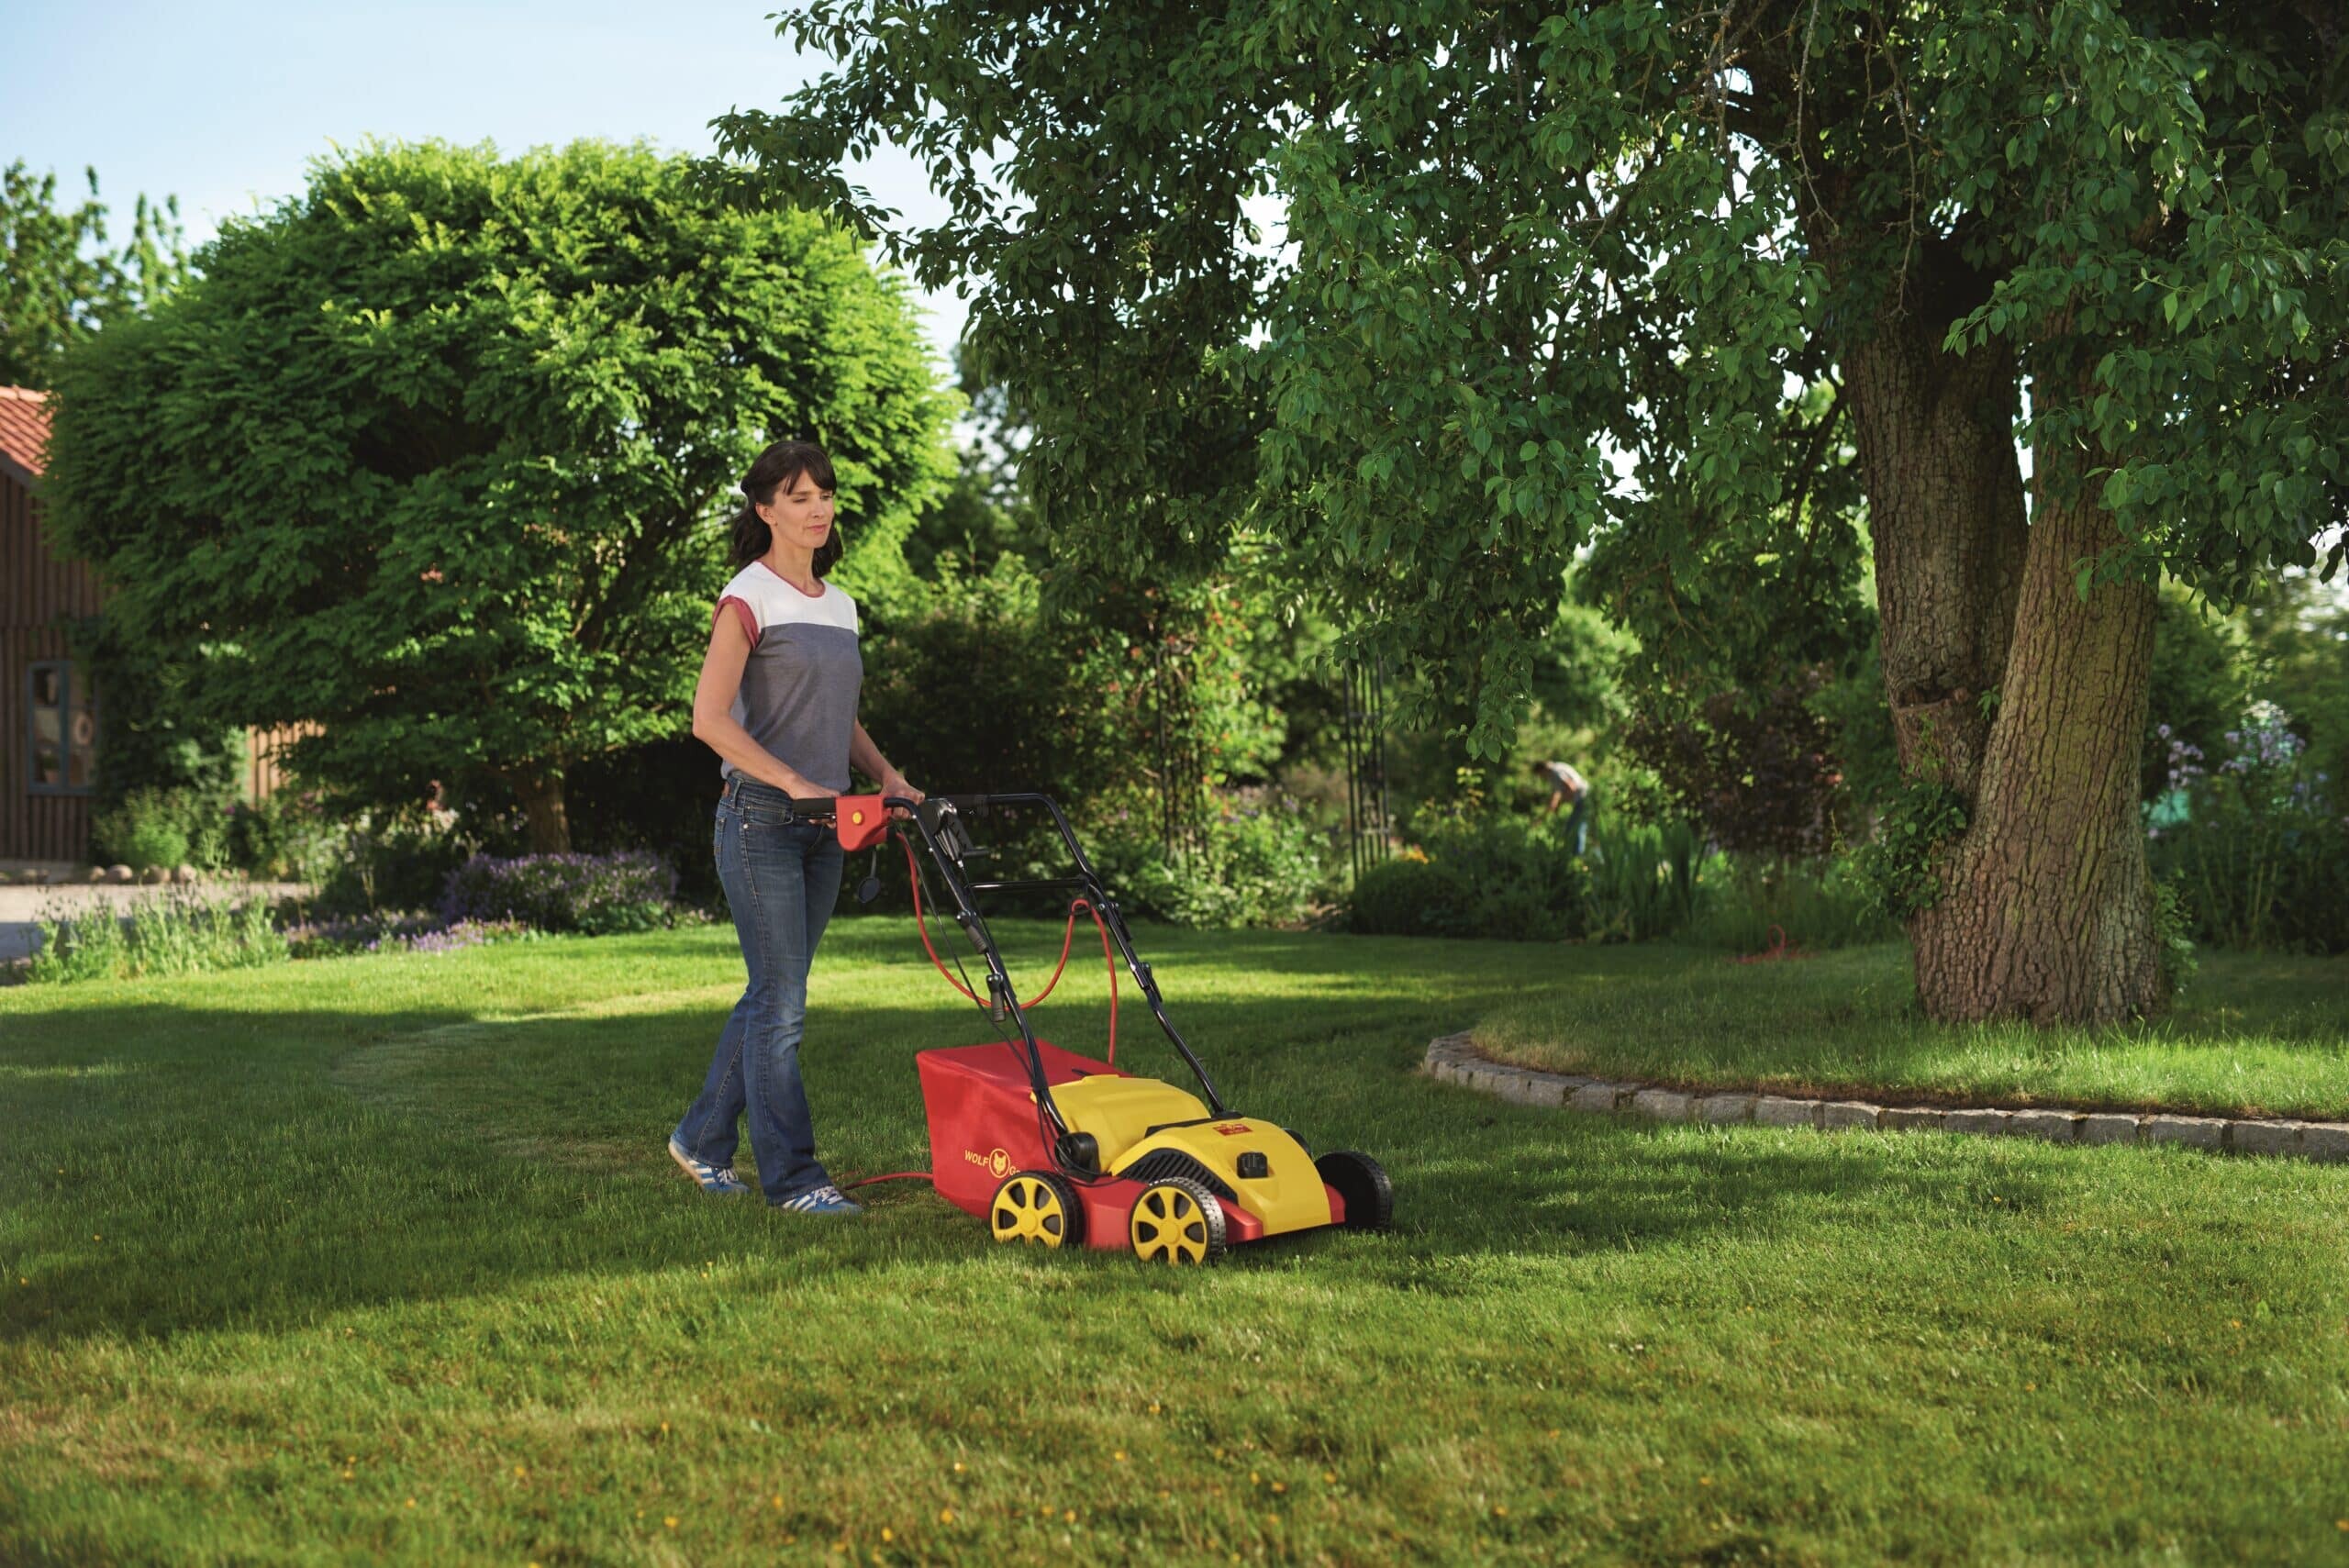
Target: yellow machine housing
{"type": "Point", "coordinates": [1119, 1112]}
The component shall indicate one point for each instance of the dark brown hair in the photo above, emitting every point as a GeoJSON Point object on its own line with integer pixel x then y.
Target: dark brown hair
{"type": "Point", "coordinates": [779, 468]}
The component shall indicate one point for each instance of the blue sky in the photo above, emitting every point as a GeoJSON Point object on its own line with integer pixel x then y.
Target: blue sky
{"type": "Point", "coordinates": [223, 106]}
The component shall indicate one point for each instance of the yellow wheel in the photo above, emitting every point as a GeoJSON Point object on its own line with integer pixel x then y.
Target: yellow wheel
{"type": "Point", "coordinates": [1034, 1208]}
{"type": "Point", "coordinates": [1176, 1221]}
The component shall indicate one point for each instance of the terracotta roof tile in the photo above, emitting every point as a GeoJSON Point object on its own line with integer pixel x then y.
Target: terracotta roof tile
{"type": "Point", "coordinates": [24, 427]}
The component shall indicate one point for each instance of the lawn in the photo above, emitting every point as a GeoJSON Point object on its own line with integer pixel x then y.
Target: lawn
{"type": "Point", "coordinates": [381, 1258]}
{"type": "Point", "coordinates": [2251, 1035]}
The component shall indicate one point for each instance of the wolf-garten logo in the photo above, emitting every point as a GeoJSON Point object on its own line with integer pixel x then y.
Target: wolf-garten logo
{"type": "Point", "coordinates": [996, 1162]}
{"type": "Point", "coordinates": [1234, 1130]}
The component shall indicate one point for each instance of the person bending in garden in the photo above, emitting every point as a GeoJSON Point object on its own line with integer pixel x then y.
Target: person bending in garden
{"type": "Point", "coordinates": [1570, 789]}
{"type": "Point", "coordinates": [777, 701]}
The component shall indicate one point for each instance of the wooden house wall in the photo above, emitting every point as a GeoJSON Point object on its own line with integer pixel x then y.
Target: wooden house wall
{"type": "Point", "coordinates": [38, 595]}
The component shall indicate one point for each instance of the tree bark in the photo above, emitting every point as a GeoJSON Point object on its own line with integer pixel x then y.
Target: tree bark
{"type": "Point", "coordinates": [2048, 911]}
{"type": "Point", "coordinates": [548, 821]}
{"type": "Point", "coordinates": [2047, 908]}
{"type": "Point", "coordinates": [1946, 516]}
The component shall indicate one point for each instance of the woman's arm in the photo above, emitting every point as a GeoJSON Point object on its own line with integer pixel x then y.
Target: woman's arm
{"type": "Point", "coordinates": [714, 722]}
{"type": "Point", "coordinates": [866, 758]}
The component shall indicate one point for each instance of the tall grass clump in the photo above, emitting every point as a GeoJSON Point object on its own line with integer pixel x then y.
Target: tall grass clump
{"type": "Point", "coordinates": [179, 933]}
{"type": "Point", "coordinates": [1645, 881]}
{"type": "Point", "coordinates": [1757, 902]}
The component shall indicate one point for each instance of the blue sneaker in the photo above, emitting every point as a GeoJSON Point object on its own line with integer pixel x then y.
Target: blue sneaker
{"type": "Point", "coordinates": [826, 1199]}
{"type": "Point", "coordinates": [718, 1179]}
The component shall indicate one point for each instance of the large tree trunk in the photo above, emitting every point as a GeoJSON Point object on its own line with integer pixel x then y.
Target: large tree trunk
{"type": "Point", "coordinates": [1945, 514]}
{"type": "Point", "coordinates": [543, 810]}
{"type": "Point", "coordinates": [2047, 908]}
{"type": "Point", "coordinates": [2048, 913]}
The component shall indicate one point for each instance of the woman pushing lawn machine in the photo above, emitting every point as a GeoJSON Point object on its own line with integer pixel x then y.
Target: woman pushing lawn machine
{"type": "Point", "coordinates": [1050, 1148]}
{"type": "Point", "coordinates": [777, 701]}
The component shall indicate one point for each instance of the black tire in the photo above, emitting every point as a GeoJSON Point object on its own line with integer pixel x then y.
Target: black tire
{"type": "Point", "coordinates": [1362, 1182]}
{"type": "Point", "coordinates": [1175, 1220]}
{"type": "Point", "coordinates": [1054, 1217]}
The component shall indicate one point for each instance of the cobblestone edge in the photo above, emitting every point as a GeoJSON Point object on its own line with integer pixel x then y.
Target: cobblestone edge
{"type": "Point", "coordinates": [1454, 1059]}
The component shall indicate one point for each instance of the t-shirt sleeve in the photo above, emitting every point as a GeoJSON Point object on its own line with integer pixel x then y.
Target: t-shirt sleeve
{"type": "Point", "coordinates": [742, 612]}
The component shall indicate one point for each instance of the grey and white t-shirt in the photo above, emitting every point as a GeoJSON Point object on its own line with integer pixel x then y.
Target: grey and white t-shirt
{"type": "Point", "coordinates": [799, 689]}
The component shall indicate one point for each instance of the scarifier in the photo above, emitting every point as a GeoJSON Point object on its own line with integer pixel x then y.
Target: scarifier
{"type": "Point", "coordinates": [1057, 1150]}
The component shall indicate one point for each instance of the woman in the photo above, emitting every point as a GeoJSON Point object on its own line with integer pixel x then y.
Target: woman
{"type": "Point", "coordinates": [777, 702]}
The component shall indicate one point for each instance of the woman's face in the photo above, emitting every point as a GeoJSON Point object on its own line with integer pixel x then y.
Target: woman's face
{"type": "Point", "coordinates": [800, 514]}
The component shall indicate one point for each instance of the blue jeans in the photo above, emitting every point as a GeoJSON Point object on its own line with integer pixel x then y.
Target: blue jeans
{"type": "Point", "coordinates": [781, 878]}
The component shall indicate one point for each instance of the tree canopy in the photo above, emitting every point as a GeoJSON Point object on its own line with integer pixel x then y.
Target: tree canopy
{"type": "Point", "coordinates": [1513, 242]}
{"type": "Point", "coordinates": [436, 456]}
{"type": "Point", "coordinates": [1653, 274]}
{"type": "Point", "coordinates": [59, 281]}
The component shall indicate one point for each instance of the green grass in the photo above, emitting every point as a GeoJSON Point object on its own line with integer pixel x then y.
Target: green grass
{"type": "Point", "coordinates": [286, 1250]}
{"type": "Point", "coordinates": [2254, 1035]}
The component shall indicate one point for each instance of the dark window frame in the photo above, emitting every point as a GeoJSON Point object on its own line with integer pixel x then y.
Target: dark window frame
{"type": "Point", "coordinates": [65, 673]}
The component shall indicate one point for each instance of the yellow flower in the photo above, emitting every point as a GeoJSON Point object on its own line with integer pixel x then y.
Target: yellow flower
{"type": "Point", "coordinates": [1280, 1485]}
{"type": "Point", "coordinates": [1499, 1513]}
{"type": "Point", "coordinates": [1330, 1476]}
{"type": "Point", "coordinates": [946, 1516]}
{"type": "Point", "coordinates": [411, 1502]}
{"type": "Point", "coordinates": [888, 1534]}
{"type": "Point", "coordinates": [1069, 1518]}
{"type": "Point", "coordinates": [1153, 1406]}
{"type": "Point", "coordinates": [669, 1519]}
{"type": "Point", "coordinates": [519, 1473]}
{"type": "Point", "coordinates": [1119, 1456]}
{"type": "Point", "coordinates": [777, 1500]}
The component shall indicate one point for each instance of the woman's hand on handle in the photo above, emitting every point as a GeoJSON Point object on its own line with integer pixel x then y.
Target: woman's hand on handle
{"type": "Point", "coordinates": [893, 786]}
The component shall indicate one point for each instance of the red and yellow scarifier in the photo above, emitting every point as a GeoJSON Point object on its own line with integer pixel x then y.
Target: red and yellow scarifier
{"type": "Point", "coordinates": [1056, 1149]}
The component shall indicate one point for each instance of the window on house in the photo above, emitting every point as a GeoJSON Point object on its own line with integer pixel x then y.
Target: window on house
{"type": "Point", "coordinates": [62, 753]}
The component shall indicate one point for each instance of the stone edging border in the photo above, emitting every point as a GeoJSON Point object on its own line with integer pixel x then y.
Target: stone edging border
{"type": "Point", "coordinates": [1454, 1059]}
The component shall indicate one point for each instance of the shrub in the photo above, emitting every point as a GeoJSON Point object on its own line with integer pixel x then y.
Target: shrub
{"type": "Point", "coordinates": [1493, 876]}
{"type": "Point", "coordinates": [162, 828]}
{"type": "Point", "coordinates": [177, 934]}
{"type": "Point", "coordinates": [1408, 897]}
{"type": "Point", "coordinates": [629, 890]}
{"type": "Point", "coordinates": [1758, 768]}
{"type": "Point", "coordinates": [404, 863]}
{"type": "Point", "coordinates": [1259, 862]}
{"type": "Point", "coordinates": [284, 838]}
{"type": "Point", "coordinates": [2263, 851]}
